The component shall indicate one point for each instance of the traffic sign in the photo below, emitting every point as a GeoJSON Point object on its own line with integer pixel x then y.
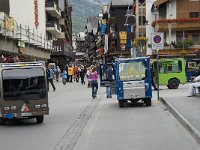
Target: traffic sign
{"type": "Point", "coordinates": [157, 40]}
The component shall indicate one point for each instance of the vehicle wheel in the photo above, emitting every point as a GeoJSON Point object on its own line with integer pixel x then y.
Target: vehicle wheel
{"type": "Point", "coordinates": [40, 119]}
{"type": "Point", "coordinates": [121, 103]}
{"type": "Point", "coordinates": [173, 84]}
{"type": "Point", "coordinates": [148, 101]}
{"type": "Point", "coordinates": [2, 121]}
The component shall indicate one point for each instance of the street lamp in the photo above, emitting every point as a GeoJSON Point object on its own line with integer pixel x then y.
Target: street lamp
{"type": "Point", "coordinates": [128, 24]}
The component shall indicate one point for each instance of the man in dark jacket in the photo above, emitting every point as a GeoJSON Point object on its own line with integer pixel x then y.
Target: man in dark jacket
{"type": "Point", "coordinates": [109, 77]}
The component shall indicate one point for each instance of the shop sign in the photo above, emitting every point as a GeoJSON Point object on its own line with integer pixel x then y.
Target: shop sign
{"type": "Point", "coordinates": [123, 41]}
{"type": "Point", "coordinates": [123, 47]}
{"type": "Point", "coordinates": [9, 23]}
{"type": "Point", "coordinates": [123, 35]}
{"type": "Point", "coordinates": [36, 13]}
{"type": "Point", "coordinates": [21, 44]}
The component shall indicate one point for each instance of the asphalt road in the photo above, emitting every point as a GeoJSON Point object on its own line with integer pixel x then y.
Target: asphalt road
{"type": "Point", "coordinates": [78, 122]}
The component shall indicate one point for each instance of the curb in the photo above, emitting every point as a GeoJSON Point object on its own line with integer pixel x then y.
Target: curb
{"type": "Point", "coordinates": [186, 124]}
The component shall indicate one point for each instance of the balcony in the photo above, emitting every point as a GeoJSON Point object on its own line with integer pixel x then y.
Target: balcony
{"type": "Point", "coordinates": [53, 9]}
{"type": "Point", "coordinates": [62, 35]}
{"type": "Point", "coordinates": [177, 24]}
{"type": "Point", "coordinates": [62, 21]}
{"type": "Point", "coordinates": [53, 28]}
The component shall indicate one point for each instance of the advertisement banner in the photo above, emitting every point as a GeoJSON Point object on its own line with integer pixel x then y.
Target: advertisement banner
{"type": "Point", "coordinates": [9, 23]}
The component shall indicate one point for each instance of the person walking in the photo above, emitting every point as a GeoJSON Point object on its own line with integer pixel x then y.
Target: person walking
{"type": "Point", "coordinates": [57, 70]}
{"type": "Point", "coordinates": [109, 78]}
{"type": "Point", "coordinates": [93, 77]}
{"type": "Point", "coordinates": [64, 76]}
{"type": "Point", "coordinates": [50, 74]}
{"type": "Point", "coordinates": [152, 79]}
{"type": "Point", "coordinates": [70, 72]}
{"type": "Point", "coordinates": [193, 86]}
{"type": "Point", "coordinates": [82, 75]}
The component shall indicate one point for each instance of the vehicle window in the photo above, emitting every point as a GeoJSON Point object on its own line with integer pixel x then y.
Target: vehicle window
{"type": "Point", "coordinates": [170, 67]}
{"type": "Point", "coordinates": [24, 84]}
{"type": "Point", "coordinates": [132, 71]}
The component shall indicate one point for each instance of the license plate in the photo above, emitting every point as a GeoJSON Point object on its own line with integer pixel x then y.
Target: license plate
{"type": "Point", "coordinates": [26, 114]}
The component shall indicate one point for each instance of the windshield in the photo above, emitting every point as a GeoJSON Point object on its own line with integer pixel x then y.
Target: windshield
{"type": "Point", "coordinates": [24, 84]}
{"type": "Point", "coordinates": [132, 71]}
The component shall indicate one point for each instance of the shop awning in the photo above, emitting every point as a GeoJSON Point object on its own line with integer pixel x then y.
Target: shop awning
{"type": "Point", "coordinates": [159, 2]}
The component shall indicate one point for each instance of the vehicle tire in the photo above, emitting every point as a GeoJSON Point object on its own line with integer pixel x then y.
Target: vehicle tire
{"type": "Point", "coordinates": [173, 84]}
{"type": "Point", "coordinates": [2, 121]}
{"type": "Point", "coordinates": [148, 101]}
{"type": "Point", "coordinates": [40, 119]}
{"type": "Point", "coordinates": [121, 103]}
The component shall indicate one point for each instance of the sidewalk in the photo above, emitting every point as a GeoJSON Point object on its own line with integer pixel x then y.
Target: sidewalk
{"type": "Point", "coordinates": [185, 109]}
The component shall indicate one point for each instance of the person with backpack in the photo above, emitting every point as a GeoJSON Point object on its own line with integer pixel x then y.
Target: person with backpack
{"type": "Point", "coordinates": [64, 76]}
{"type": "Point", "coordinates": [50, 74]}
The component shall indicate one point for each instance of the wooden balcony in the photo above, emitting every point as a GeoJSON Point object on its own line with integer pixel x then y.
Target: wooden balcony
{"type": "Point", "coordinates": [179, 26]}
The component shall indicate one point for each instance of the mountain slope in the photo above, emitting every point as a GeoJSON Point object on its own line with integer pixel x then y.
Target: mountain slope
{"type": "Point", "coordinates": [84, 8]}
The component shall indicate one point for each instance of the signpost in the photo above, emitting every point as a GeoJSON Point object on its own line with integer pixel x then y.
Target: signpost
{"type": "Point", "coordinates": [157, 44]}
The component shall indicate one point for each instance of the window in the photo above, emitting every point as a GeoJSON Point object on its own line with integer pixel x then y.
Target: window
{"type": "Point", "coordinates": [195, 39]}
{"type": "Point", "coordinates": [27, 86]}
{"type": "Point", "coordinates": [170, 66]}
{"type": "Point", "coordinates": [194, 14]}
{"type": "Point", "coordinates": [132, 71]}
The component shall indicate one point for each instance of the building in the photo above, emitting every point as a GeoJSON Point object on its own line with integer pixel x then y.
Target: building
{"type": "Point", "coordinates": [59, 17]}
{"type": "Point", "coordinates": [120, 31]}
{"type": "Point", "coordinates": [179, 20]}
{"type": "Point", "coordinates": [23, 32]}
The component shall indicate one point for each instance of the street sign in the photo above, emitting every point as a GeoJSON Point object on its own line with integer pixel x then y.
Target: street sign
{"type": "Point", "coordinates": [157, 40]}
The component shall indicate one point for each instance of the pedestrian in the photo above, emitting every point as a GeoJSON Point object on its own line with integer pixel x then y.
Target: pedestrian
{"type": "Point", "coordinates": [193, 86]}
{"type": "Point", "coordinates": [82, 75]}
{"type": "Point", "coordinates": [93, 78]}
{"type": "Point", "coordinates": [152, 79]}
{"type": "Point", "coordinates": [109, 78]}
{"type": "Point", "coordinates": [50, 74]}
{"type": "Point", "coordinates": [64, 76]}
{"type": "Point", "coordinates": [57, 71]}
{"type": "Point", "coordinates": [70, 72]}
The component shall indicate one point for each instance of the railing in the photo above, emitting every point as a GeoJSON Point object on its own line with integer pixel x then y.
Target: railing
{"type": "Point", "coordinates": [53, 24]}
{"type": "Point", "coordinates": [11, 29]}
{"type": "Point", "coordinates": [54, 5]}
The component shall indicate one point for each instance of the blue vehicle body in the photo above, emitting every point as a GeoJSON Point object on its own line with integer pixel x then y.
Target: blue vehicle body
{"type": "Point", "coordinates": [192, 68]}
{"type": "Point", "coordinates": [132, 79]}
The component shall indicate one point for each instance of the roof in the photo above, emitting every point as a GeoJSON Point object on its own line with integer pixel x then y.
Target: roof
{"type": "Point", "coordinates": [122, 2]}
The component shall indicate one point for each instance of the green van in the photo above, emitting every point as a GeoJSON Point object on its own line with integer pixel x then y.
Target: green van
{"type": "Point", "coordinates": [171, 72]}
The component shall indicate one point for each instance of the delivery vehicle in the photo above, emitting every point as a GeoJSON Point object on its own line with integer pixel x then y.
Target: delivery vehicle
{"type": "Point", "coordinates": [24, 92]}
{"type": "Point", "coordinates": [192, 68]}
{"type": "Point", "coordinates": [171, 72]}
{"type": "Point", "coordinates": [133, 80]}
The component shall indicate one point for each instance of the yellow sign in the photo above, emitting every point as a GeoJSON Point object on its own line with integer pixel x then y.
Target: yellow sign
{"type": "Point", "coordinates": [122, 41]}
{"type": "Point", "coordinates": [123, 35]}
{"type": "Point", "coordinates": [9, 23]}
{"type": "Point", "coordinates": [104, 21]}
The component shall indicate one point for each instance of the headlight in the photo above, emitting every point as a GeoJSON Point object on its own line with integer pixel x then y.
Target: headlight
{"type": "Point", "coordinates": [44, 105]}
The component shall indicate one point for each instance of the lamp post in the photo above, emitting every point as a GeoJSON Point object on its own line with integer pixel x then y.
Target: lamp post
{"type": "Point", "coordinates": [128, 25]}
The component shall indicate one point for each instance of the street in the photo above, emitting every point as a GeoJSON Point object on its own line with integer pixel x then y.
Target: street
{"type": "Point", "coordinates": [78, 122]}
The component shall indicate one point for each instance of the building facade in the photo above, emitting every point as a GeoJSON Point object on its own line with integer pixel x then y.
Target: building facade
{"type": "Point", "coordinates": [179, 20]}
{"type": "Point", "coordinates": [23, 30]}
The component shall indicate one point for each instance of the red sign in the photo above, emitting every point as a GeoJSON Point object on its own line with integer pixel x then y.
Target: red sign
{"type": "Point", "coordinates": [36, 13]}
